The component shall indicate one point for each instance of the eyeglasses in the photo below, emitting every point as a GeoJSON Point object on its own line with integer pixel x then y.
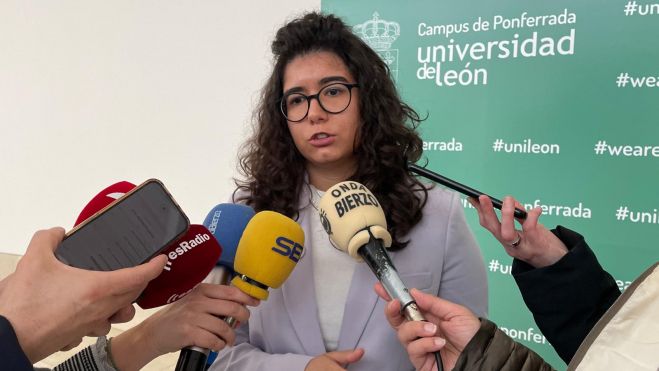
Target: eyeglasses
{"type": "Point", "coordinates": [333, 98]}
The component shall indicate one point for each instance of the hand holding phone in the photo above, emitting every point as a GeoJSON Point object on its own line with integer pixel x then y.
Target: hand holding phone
{"type": "Point", "coordinates": [127, 232]}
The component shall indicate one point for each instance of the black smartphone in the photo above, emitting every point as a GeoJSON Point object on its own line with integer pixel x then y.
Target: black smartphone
{"type": "Point", "coordinates": [465, 190]}
{"type": "Point", "coordinates": [127, 232]}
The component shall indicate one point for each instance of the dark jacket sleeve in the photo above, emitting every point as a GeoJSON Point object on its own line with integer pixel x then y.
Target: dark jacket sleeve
{"type": "Point", "coordinates": [492, 350]}
{"type": "Point", "coordinates": [13, 357]}
{"type": "Point", "coordinates": [568, 297]}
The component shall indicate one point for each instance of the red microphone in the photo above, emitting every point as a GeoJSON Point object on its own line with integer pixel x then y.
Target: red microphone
{"type": "Point", "coordinates": [189, 260]}
{"type": "Point", "coordinates": [103, 199]}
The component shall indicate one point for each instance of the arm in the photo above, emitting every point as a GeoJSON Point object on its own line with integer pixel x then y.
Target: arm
{"type": "Point", "coordinates": [13, 356]}
{"type": "Point", "coordinates": [492, 350]}
{"type": "Point", "coordinates": [558, 275]}
{"type": "Point", "coordinates": [568, 297]}
{"type": "Point", "coordinates": [466, 343]}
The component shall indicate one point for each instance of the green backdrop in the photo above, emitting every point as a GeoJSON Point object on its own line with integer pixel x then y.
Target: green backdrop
{"type": "Point", "coordinates": [556, 103]}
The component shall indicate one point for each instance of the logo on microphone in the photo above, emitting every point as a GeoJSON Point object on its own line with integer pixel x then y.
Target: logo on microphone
{"type": "Point", "coordinates": [216, 218]}
{"type": "Point", "coordinates": [288, 248]}
{"type": "Point", "coordinates": [325, 222]}
{"type": "Point", "coordinates": [184, 247]}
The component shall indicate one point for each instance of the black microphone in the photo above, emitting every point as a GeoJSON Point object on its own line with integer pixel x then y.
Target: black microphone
{"type": "Point", "coordinates": [465, 190]}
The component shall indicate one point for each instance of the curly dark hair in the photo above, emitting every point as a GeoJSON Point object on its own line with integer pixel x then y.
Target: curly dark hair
{"type": "Point", "coordinates": [275, 170]}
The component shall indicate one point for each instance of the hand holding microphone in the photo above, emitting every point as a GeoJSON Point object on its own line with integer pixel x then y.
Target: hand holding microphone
{"type": "Point", "coordinates": [356, 224]}
{"type": "Point", "coordinates": [267, 252]}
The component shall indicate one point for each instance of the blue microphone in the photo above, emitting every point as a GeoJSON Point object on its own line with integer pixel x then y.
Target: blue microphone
{"type": "Point", "coordinates": [226, 222]}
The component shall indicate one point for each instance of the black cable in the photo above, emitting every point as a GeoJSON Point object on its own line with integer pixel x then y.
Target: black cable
{"type": "Point", "coordinates": [438, 361]}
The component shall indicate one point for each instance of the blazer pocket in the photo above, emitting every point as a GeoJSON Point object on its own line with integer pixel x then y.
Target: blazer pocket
{"type": "Point", "coordinates": [421, 280]}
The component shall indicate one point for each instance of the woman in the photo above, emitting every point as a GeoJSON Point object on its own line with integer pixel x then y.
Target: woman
{"type": "Point", "coordinates": [330, 112]}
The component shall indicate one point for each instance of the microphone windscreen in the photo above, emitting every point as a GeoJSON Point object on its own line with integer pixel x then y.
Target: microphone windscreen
{"type": "Point", "coordinates": [348, 212]}
{"type": "Point", "coordinates": [103, 199]}
{"type": "Point", "coordinates": [269, 249]}
{"type": "Point", "coordinates": [227, 222]}
{"type": "Point", "coordinates": [189, 260]}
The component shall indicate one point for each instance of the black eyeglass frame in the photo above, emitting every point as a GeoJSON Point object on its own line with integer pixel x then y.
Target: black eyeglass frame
{"type": "Point", "coordinates": [282, 101]}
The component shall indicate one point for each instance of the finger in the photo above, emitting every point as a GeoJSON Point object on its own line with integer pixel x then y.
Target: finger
{"type": "Point", "coordinates": [128, 280]}
{"type": "Point", "coordinates": [412, 330]}
{"type": "Point", "coordinates": [532, 218]}
{"type": "Point", "coordinates": [476, 204]}
{"type": "Point", "coordinates": [226, 308]}
{"type": "Point", "coordinates": [123, 315]}
{"type": "Point", "coordinates": [344, 357]}
{"type": "Point", "coordinates": [392, 312]}
{"type": "Point", "coordinates": [100, 328]}
{"type": "Point", "coordinates": [46, 240]}
{"type": "Point", "coordinates": [73, 344]}
{"type": "Point", "coordinates": [228, 293]}
{"type": "Point", "coordinates": [490, 220]}
{"type": "Point", "coordinates": [379, 289]}
{"type": "Point", "coordinates": [423, 347]}
{"type": "Point", "coordinates": [217, 327]}
{"type": "Point", "coordinates": [508, 232]}
{"type": "Point", "coordinates": [436, 306]}
{"type": "Point", "coordinates": [208, 340]}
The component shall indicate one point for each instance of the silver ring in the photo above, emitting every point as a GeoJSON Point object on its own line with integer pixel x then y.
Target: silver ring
{"type": "Point", "coordinates": [517, 241]}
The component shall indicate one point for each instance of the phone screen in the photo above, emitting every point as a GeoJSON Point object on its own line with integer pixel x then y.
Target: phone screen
{"type": "Point", "coordinates": [127, 233]}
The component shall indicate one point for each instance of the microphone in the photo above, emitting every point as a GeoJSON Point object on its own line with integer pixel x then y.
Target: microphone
{"type": "Point", "coordinates": [189, 260]}
{"type": "Point", "coordinates": [356, 224]}
{"type": "Point", "coordinates": [269, 249]}
{"type": "Point", "coordinates": [465, 190]}
{"type": "Point", "coordinates": [103, 199]}
{"type": "Point", "coordinates": [226, 222]}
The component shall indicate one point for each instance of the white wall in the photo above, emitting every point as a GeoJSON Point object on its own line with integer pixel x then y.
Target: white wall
{"type": "Point", "coordinates": [93, 92]}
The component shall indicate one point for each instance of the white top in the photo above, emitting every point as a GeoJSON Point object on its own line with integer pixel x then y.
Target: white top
{"type": "Point", "coordinates": [332, 274]}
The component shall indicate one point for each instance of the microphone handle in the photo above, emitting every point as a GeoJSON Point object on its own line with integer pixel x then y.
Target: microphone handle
{"type": "Point", "coordinates": [194, 358]}
{"type": "Point", "coordinates": [381, 265]}
{"type": "Point", "coordinates": [378, 260]}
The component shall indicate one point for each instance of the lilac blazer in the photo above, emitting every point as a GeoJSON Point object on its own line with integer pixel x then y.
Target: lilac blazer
{"type": "Point", "coordinates": [283, 332]}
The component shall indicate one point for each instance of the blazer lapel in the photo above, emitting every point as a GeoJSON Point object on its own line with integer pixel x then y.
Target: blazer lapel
{"type": "Point", "coordinates": [359, 307]}
{"type": "Point", "coordinates": [300, 297]}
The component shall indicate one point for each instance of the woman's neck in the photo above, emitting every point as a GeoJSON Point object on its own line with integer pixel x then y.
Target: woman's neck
{"type": "Point", "coordinates": [324, 176]}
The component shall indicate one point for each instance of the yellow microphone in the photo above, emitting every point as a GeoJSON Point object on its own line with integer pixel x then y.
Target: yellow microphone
{"type": "Point", "coordinates": [355, 222]}
{"type": "Point", "coordinates": [269, 249]}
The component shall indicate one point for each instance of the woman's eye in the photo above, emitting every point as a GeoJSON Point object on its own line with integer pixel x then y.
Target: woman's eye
{"type": "Point", "coordinates": [295, 100]}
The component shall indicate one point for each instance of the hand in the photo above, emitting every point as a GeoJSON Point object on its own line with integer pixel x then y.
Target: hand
{"type": "Point", "coordinates": [537, 245]}
{"type": "Point", "coordinates": [192, 321]}
{"type": "Point", "coordinates": [449, 327]}
{"type": "Point", "coordinates": [52, 305]}
{"type": "Point", "coordinates": [335, 361]}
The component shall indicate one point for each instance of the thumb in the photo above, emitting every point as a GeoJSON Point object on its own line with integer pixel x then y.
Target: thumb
{"type": "Point", "coordinates": [45, 240]}
{"type": "Point", "coordinates": [346, 356]}
{"type": "Point", "coordinates": [130, 279]}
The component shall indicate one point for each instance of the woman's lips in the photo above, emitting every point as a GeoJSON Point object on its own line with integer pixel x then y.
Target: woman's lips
{"type": "Point", "coordinates": [321, 140]}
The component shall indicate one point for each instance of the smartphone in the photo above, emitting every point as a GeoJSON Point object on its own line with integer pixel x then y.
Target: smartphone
{"type": "Point", "coordinates": [127, 232]}
{"type": "Point", "coordinates": [465, 190]}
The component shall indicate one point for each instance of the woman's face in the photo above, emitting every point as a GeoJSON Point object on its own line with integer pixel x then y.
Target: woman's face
{"type": "Point", "coordinates": [324, 139]}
